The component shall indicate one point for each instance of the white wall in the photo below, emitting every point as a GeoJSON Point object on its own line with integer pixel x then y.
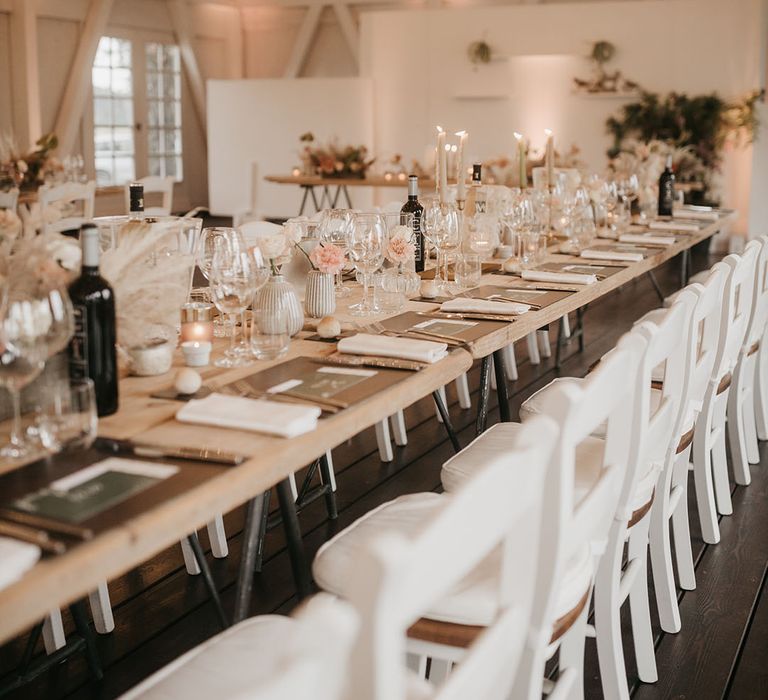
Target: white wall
{"type": "Point", "coordinates": [260, 121]}
{"type": "Point", "coordinates": [418, 60]}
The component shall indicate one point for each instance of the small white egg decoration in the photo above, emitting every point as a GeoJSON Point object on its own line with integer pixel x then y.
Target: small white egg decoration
{"type": "Point", "coordinates": [187, 381]}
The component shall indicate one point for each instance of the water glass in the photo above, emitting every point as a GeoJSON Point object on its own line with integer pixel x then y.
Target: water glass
{"type": "Point", "coordinates": [468, 270]}
{"type": "Point", "coordinates": [269, 332]}
{"type": "Point", "coordinates": [70, 420]}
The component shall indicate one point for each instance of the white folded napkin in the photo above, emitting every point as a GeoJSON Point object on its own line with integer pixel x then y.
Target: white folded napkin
{"type": "Point", "coordinates": [698, 214]}
{"type": "Point", "coordinates": [563, 277]}
{"type": "Point", "coordinates": [391, 346]}
{"type": "Point", "coordinates": [484, 306]}
{"type": "Point", "coordinates": [16, 558]}
{"type": "Point", "coordinates": [640, 238]}
{"type": "Point", "coordinates": [260, 416]}
{"type": "Point", "coordinates": [673, 226]}
{"type": "Point", "coordinates": [621, 255]}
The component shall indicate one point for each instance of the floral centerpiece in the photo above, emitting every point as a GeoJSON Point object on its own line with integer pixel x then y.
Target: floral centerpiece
{"type": "Point", "coordinates": [28, 171]}
{"type": "Point", "coordinates": [504, 170]}
{"type": "Point", "coordinates": [333, 160]}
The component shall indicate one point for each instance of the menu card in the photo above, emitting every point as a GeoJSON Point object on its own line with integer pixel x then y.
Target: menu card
{"type": "Point", "coordinates": [94, 489]}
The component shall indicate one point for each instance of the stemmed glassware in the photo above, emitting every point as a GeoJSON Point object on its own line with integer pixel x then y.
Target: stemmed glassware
{"type": "Point", "coordinates": [524, 223]}
{"type": "Point", "coordinates": [441, 227]}
{"type": "Point", "coordinates": [335, 227]}
{"type": "Point", "coordinates": [367, 245]}
{"type": "Point", "coordinates": [233, 282]}
{"type": "Point", "coordinates": [33, 324]}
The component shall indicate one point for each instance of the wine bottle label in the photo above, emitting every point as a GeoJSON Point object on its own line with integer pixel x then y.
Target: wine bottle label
{"type": "Point", "coordinates": [78, 346]}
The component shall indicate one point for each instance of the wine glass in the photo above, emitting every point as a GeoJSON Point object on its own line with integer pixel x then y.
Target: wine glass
{"type": "Point", "coordinates": [27, 321]}
{"type": "Point", "coordinates": [232, 281]}
{"type": "Point", "coordinates": [441, 228]}
{"type": "Point", "coordinates": [367, 244]}
{"type": "Point", "coordinates": [206, 247]}
{"type": "Point", "coordinates": [334, 227]}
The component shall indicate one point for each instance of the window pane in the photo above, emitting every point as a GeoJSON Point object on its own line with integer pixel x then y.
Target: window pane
{"type": "Point", "coordinates": [173, 141]}
{"type": "Point", "coordinates": [153, 116]}
{"type": "Point", "coordinates": [153, 84]}
{"type": "Point", "coordinates": [154, 141]}
{"type": "Point", "coordinates": [169, 113]}
{"type": "Point", "coordinates": [102, 111]}
{"type": "Point", "coordinates": [152, 60]}
{"type": "Point", "coordinates": [170, 166]}
{"type": "Point", "coordinates": [101, 81]}
{"type": "Point", "coordinates": [155, 166]}
{"type": "Point", "coordinates": [113, 133]}
{"type": "Point", "coordinates": [121, 81]}
{"type": "Point", "coordinates": [124, 170]}
{"type": "Point", "coordinates": [171, 59]}
{"type": "Point", "coordinates": [102, 138]}
{"type": "Point", "coordinates": [122, 138]}
{"type": "Point", "coordinates": [122, 112]}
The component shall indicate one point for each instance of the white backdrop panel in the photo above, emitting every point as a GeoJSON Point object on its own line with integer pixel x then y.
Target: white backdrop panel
{"type": "Point", "coordinates": [260, 121]}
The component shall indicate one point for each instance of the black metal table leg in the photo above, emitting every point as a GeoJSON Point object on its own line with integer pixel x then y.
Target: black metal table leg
{"type": "Point", "coordinates": [293, 539]}
{"type": "Point", "coordinates": [314, 197]}
{"type": "Point", "coordinates": [656, 286]}
{"type": "Point", "coordinates": [346, 196]}
{"type": "Point", "coordinates": [482, 401]}
{"type": "Point", "coordinates": [84, 630]}
{"type": "Point", "coordinates": [205, 570]}
{"type": "Point", "coordinates": [330, 495]}
{"type": "Point", "coordinates": [252, 538]}
{"type": "Point", "coordinates": [262, 532]}
{"type": "Point", "coordinates": [304, 199]}
{"type": "Point", "coordinates": [580, 325]}
{"type": "Point", "coordinates": [501, 385]}
{"type": "Point", "coordinates": [684, 262]}
{"type": "Point", "coordinates": [443, 410]}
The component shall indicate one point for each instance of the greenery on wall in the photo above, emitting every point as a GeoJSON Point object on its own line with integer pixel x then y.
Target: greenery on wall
{"type": "Point", "coordinates": [702, 123]}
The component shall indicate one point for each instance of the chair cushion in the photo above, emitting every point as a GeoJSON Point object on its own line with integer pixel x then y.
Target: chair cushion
{"type": "Point", "coordinates": [474, 601]}
{"type": "Point", "coordinates": [262, 657]}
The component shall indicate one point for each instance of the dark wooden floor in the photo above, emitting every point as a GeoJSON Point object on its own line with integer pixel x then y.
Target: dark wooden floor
{"type": "Point", "coordinates": [722, 651]}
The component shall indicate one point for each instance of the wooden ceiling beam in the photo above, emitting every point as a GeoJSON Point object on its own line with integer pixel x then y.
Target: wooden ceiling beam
{"type": "Point", "coordinates": [76, 91]}
{"type": "Point", "coordinates": [348, 28]}
{"type": "Point", "coordinates": [304, 39]}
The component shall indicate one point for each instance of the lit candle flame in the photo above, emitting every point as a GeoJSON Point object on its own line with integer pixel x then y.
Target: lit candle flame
{"type": "Point", "coordinates": [519, 137]}
{"type": "Point", "coordinates": [547, 132]}
{"type": "Point", "coordinates": [439, 129]}
{"type": "Point", "coordinates": [460, 133]}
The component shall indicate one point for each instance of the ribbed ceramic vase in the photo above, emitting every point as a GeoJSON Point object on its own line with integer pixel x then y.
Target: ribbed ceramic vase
{"type": "Point", "coordinates": [319, 294]}
{"type": "Point", "coordinates": [278, 291]}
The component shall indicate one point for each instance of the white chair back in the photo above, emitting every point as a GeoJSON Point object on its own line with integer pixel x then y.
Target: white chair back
{"type": "Point", "coordinates": [63, 195]}
{"type": "Point", "coordinates": [9, 199]}
{"type": "Point", "coordinates": [154, 184]}
{"type": "Point", "coordinates": [398, 578]}
{"type": "Point", "coordinates": [703, 341]}
{"type": "Point", "coordinates": [605, 395]}
{"type": "Point", "coordinates": [757, 322]}
{"type": "Point", "coordinates": [666, 332]}
{"type": "Point", "coordinates": [737, 307]}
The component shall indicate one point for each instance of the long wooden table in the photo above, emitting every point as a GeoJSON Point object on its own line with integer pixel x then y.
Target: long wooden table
{"type": "Point", "coordinates": [308, 183]}
{"type": "Point", "coordinates": [59, 580]}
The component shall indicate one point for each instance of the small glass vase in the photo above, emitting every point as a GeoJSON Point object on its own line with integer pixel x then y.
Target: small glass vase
{"type": "Point", "coordinates": [276, 293]}
{"type": "Point", "coordinates": [320, 297]}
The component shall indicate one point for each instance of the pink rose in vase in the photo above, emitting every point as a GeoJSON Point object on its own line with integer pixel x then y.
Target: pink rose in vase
{"type": "Point", "coordinates": [328, 258]}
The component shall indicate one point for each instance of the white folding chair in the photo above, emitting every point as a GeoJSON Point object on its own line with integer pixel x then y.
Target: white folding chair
{"type": "Point", "coordinates": [268, 657]}
{"type": "Point", "coordinates": [581, 499]}
{"type": "Point", "coordinates": [411, 557]}
{"type": "Point", "coordinates": [671, 500]}
{"type": "Point", "coordinates": [9, 199]}
{"type": "Point", "coordinates": [710, 468]}
{"type": "Point", "coordinates": [742, 429]}
{"type": "Point", "coordinates": [59, 197]}
{"type": "Point", "coordinates": [154, 184]}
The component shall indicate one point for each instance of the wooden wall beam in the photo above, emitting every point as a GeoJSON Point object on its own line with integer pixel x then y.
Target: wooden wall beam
{"type": "Point", "coordinates": [76, 91]}
{"type": "Point", "coordinates": [25, 74]}
{"type": "Point", "coordinates": [182, 28]}
{"type": "Point", "coordinates": [348, 28]}
{"type": "Point", "coordinates": [303, 41]}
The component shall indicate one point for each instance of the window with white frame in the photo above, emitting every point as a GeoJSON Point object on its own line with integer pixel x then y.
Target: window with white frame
{"type": "Point", "coordinates": [164, 110]}
{"type": "Point", "coordinates": [113, 124]}
{"type": "Point", "coordinates": [136, 110]}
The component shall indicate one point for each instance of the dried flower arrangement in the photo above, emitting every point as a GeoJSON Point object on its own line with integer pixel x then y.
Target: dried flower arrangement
{"type": "Point", "coordinates": [28, 171]}
{"type": "Point", "coordinates": [333, 160]}
{"type": "Point", "coordinates": [150, 283]}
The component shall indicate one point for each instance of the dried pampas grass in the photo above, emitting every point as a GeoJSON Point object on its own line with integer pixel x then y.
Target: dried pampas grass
{"type": "Point", "coordinates": [151, 280]}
